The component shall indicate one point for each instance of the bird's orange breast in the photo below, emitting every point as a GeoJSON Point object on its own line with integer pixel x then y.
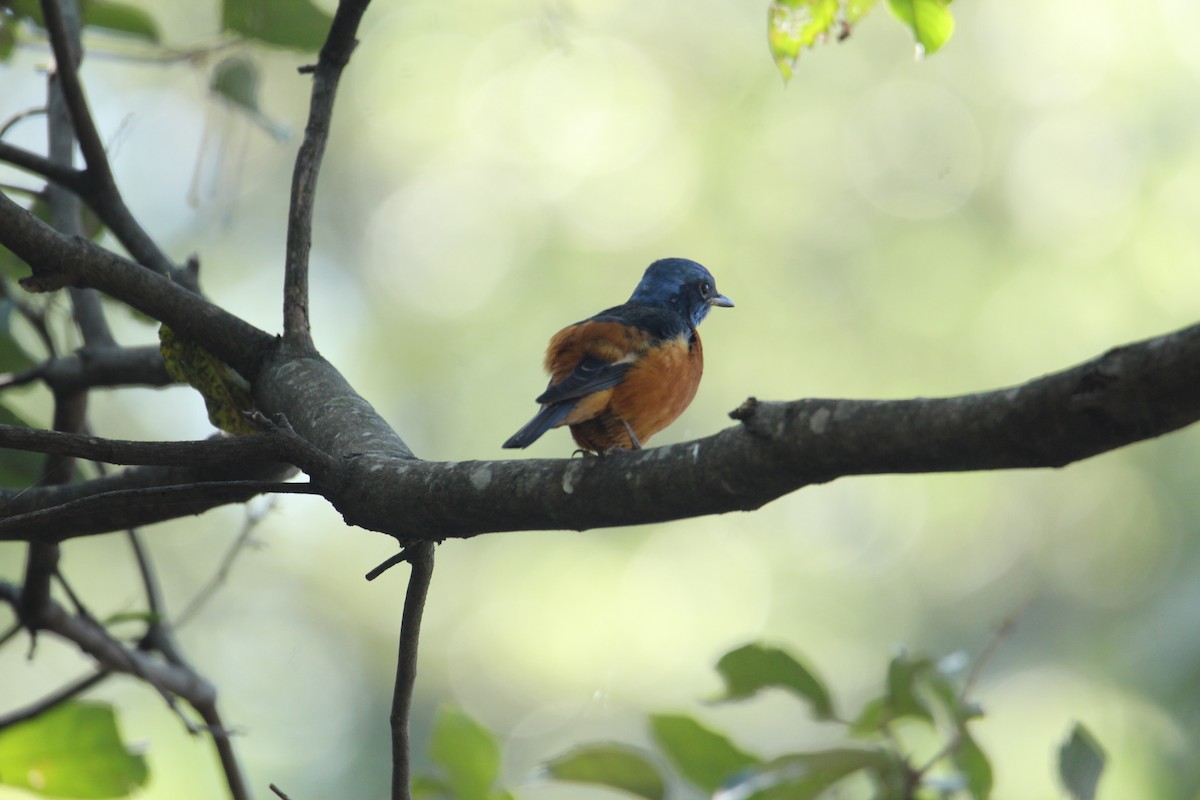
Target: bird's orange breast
{"type": "Point", "coordinates": [660, 385]}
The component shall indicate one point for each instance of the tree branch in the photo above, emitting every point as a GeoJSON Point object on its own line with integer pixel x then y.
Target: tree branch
{"type": "Point", "coordinates": [64, 694]}
{"type": "Point", "coordinates": [1129, 394]}
{"type": "Point", "coordinates": [101, 190]}
{"type": "Point", "coordinates": [58, 261]}
{"type": "Point", "coordinates": [70, 408]}
{"type": "Point", "coordinates": [421, 557]}
{"type": "Point", "coordinates": [64, 175]}
{"type": "Point", "coordinates": [120, 509]}
{"type": "Point", "coordinates": [334, 57]}
{"type": "Point", "coordinates": [90, 637]}
{"type": "Point", "coordinates": [91, 368]}
{"type": "Point", "coordinates": [218, 451]}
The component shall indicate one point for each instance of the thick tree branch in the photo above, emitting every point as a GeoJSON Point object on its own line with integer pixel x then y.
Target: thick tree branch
{"type": "Point", "coordinates": [58, 261]}
{"type": "Point", "coordinates": [334, 57]}
{"type": "Point", "coordinates": [1131, 393]}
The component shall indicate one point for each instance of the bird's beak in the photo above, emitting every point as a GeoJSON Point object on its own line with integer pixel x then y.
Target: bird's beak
{"type": "Point", "coordinates": [722, 301]}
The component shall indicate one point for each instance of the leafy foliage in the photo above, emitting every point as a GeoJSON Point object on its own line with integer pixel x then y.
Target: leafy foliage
{"type": "Point", "coordinates": [929, 21]}
{"type": "Point", "coordinates": [919, 691]}
{"type": "Point", "coordinates": [614, 766]}
{"type": "Point", "coordinates": [1080, 762]}
{"type": "Point", "coordinates": [72, 750]}
{"type": "Point", "coordinates": [702, 756]}
{"type": "Point", "coordinates": [293, 24]}
{"type": "Point", "coordinates": [469, 760]}
{"type": "Point", "coordinates": [111, 17]}
{"type": "Point", "coordinates": [797, 25]}
{"type": "Point", "coordinates": [754, 667]}
{"type": "Point", "coordinates": [931, 754]}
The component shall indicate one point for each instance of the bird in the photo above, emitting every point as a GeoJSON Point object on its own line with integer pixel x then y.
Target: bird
{"type": "Point", "coordinates": [621, 376]}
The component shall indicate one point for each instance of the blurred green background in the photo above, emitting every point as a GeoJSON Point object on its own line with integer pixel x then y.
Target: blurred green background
{"type": "Point", "coordinates": [888, 227]}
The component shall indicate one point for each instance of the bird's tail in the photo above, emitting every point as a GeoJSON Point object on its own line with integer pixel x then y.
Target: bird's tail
{"type": "Point", "coordinates": [545, 419]}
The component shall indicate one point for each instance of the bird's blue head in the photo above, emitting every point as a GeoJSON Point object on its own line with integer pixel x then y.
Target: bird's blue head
{"type": "Point", "coordinates": [682, 286]}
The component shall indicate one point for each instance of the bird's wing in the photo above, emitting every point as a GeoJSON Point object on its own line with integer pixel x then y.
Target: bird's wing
{"type": "Point", "coordinates": [590, 375]}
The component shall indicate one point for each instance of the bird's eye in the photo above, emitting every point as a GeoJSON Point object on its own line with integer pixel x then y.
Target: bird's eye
{"type": "Point", "coordinates": [705, 289]}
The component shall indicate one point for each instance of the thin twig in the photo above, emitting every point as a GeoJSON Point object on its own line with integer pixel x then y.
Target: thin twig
{"type": "Point", "coordinates": [202, 596]}
{"type": "Point", "coordinates": [234, 779]}
{"type": "Point", "coordinates": [64, 694]}
{"type": "Point", "coordinates": [111, 654]}
{"type": "Point", "coordinates": [388, 563]}
{"type": "Point", "coordinates": [279, 792]}
{"type": "Point", "coordinates": [66, 209]}
{"type": "Point", "coordinates": [100, 189]}
{"type": "Point", "coordinates": [66, 60]}
{"type": "Point", "coordinates": [64, 175]}
{"type": "Point", "coordinates": [406, 667]}
{"type": "Point", "coordinates": [989, 651]}
{"type": "Point", "coordinates": [36, 317]}
{"type": "Point", "coordinates": [215, 452]}
{"type": "Point", "coordinates": [335, 54]}
{"type": "Point", "coordinates": [20, 117]}
{"type": "Point", "coordinates": [124, 508]}
{"type": "Point", "coordinates": [41, 563]}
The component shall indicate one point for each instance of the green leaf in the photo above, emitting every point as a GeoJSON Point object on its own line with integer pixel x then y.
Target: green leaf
{"type": "Point", "coordinates": [115, 17]}
{"type": "Point", "coordinates": [294, 24]}
{"type": "Point", "coordinates": [1080, 762]}
{"type": "Point", "coordinates": [754, 667]}
{"type": "Point", "coordinates": [793, 25]}
{"type": "Point", "coordinates": [902, 698]}
{"type": "Point", "coordinates": [702, 756]}
{"type": "Point", "coordinates": [973, 763]}
{"type": "Point", "coordinates": [806, 776]}
{"type": "Point", "coordinates": [18, 467]}
{"type": "Point", "coordinates": [613, 765]}
{"type": "Point", "coordinates": [467, 753]}
{"type": "Point", "coordinates": [120, 18]}
{"type": "Point", "coordinates": [72, 750]}
{"type": "Point", "coordinates": [929, 20]}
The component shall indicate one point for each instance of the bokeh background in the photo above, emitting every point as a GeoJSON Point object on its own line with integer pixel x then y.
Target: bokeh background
{"type": "Point", "coordinates": [888, 227]}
